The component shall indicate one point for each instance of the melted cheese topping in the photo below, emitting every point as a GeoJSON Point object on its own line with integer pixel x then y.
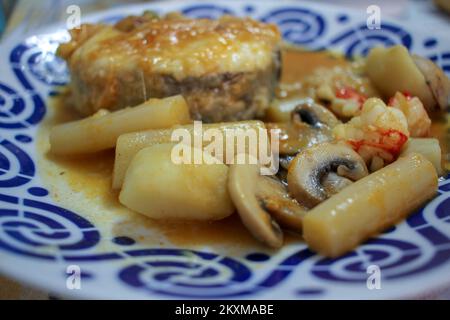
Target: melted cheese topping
{"type": "Point", "coordinates": [183, 47]}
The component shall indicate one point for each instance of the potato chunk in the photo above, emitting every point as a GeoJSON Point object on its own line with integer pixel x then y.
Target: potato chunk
{"type": "Point", "coordinates": [393, 69]}
{"type": "Point", "coordinates": [160, 189]}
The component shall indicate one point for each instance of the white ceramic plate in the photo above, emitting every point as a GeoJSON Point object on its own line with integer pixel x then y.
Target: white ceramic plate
{"type": "Point", "coordinates": [46, 226]}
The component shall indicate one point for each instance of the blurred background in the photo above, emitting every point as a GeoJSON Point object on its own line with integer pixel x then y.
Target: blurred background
{"type": "Point", "coordinates": [20, 17]}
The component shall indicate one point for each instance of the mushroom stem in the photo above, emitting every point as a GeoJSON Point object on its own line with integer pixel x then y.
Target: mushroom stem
{"type": "Point", "coordinates": [242, 186]}
{"type": "Point", "coordinates": [333, 183]}
{"type": "Point", "coordinates": [276, 200]}
{"type": "Point", "coordinates": [263, 202]}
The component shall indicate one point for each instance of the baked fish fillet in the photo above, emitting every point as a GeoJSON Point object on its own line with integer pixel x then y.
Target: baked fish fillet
{"type": "Point", "coordinates": [226, 69]}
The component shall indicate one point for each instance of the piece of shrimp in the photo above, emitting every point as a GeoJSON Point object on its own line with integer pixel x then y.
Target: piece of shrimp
{"type": "Point", "coordinates": [377, 134]}
{"type": "Point", "coordinates": [342, 89]}
{"type": "Point", "coordinates": [347, 102]}
{"type": "Point", "coordinates": [419, 123]}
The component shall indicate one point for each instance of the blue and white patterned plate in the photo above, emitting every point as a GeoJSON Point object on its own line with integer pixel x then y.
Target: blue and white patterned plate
{"type": "Point", "coordinates": [44, 229]}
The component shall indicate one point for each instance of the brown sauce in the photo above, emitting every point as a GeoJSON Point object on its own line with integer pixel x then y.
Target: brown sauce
{"type": "Point", "coordinates": [89, 192]}
{"type": "Point", "coordinates": [298, 63]}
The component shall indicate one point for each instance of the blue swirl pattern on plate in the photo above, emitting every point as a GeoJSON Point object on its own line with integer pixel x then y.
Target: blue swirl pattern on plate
{"type": "Point", "coordinates": [359, 40]}
{"type": "Point", "coordinates": [298, 25]}
{"type": "Point", "coordinates": [32, 226]}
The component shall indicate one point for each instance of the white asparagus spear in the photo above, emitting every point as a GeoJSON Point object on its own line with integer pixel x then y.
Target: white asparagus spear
{"type": "Point", "coordinates": [100, 132]}
{"type": "Point", "coordinates": [370, 205]}
{"type": "Point", "coordinates": [128, 145]}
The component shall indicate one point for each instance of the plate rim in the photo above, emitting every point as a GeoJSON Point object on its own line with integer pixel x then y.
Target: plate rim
{"type": "Point", "coordinates": [135, 7]}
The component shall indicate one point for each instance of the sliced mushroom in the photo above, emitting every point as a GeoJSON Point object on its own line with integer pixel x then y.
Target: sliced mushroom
{"type": "Point", "coordinates": [260, 200]}
{"type": "Point", "coordinates": [314, 115]}
{"type": "Point", "coordinates": [242, 186]}
{"type": "Point", "coordinates": [310, 124]}
{"type": "Point", "coordinates": [280, 110]}
{"type": "Point", "coordinates": [310, 167]}
{"type": "Point", "coordinates": [296, 137]}
{"type": "Point", "coordinates": [276, 200]}
{"type": "Point", "coordinates": [436, 80]}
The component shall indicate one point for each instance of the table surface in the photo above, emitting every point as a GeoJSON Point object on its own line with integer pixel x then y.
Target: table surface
{"type": "Point", "coordinates": [40, 13]}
